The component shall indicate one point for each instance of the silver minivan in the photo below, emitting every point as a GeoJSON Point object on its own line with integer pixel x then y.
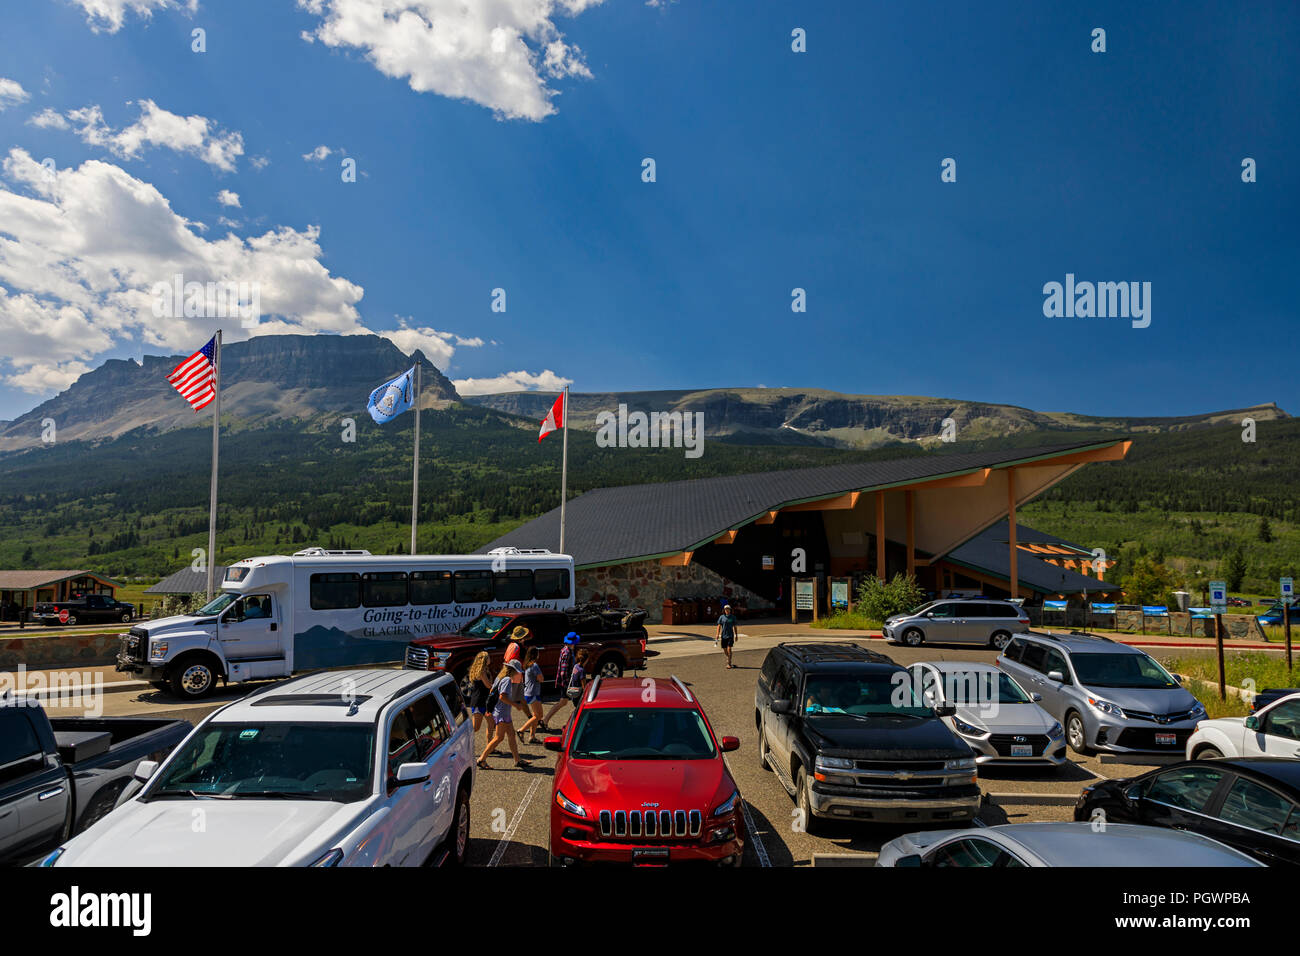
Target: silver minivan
{"type": "Point", "coordinates": [984, 621]}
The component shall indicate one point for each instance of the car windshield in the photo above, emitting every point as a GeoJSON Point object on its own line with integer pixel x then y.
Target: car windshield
{"type": "Point", "coordinates": [641, 733]}
{"type": "Point", "coordinates": [876, 694]}
{"type": "Point", "coordinates": [920, 610]}
{"type": "Point", "coordinates": [485, 625]}
{"type": "Point", "coordinates": [218, 603]}
{"type": "Point", "coordinates": [982, 687]}
{"type": "Point", "coordinates": [308, 761]}
{"type": "Point", "coordinates": [1121, 670]}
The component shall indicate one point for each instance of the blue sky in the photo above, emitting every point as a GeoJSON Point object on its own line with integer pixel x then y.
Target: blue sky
{"type": "Point", "coordinates": [775, 170]}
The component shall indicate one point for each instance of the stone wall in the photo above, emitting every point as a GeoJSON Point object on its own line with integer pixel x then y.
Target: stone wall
{"type": "Point", "coordinates": [64, 650]}
{"type": "Point", "coordinates": [648, 584]}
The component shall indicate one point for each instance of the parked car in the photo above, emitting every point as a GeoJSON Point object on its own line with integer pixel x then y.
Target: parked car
{"type": "Point", "coordinates": [986, 622]}
{"type": "Point", "coordinates": [340, 768]}
{"type": "Point", "coordinates": [617, 641]}
{"type": "Point", "coordinates": [1273, 615]}
{"type": "Point", "coordinates": [1058, 844]}
{"type": "Point", "coordinates": [641, 779]}
{"type": "Point", "coordinates": [1107, 695]}
{"type": "Point", "coordinates": [849, 738]}
{"type": "Point", "coordinates": [998, 718]}
{"type": "Point", "coordinates": [1250, 803]}
{"type": "Point", "coordinates": [1272, 731]}
{"type": "Point", "coordinates": [1238, 602]}
{"type": "Point", "coordinates": [59, 775]}
{"type": "Point", "coordinates": [1270, 694]}
{"type": "Point", "coordinates": [92, 609]}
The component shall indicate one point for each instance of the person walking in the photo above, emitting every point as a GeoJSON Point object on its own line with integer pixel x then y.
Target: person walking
{"type": "Point", "coordinates": [480, 684]}
{"type": "Point", "coordinates": [532, 695]}
{"type": "Point", "coordinates": [562, 670]}
{"type": "Point", "coordinates": [577, 680]}
{"type": "Point", "coordinates": [726, 635]}
{"type": "Point", "coordinates": [511, 675]}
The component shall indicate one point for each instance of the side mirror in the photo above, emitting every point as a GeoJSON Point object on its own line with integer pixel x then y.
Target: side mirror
{"type": "Point", "coordinates": [553, 743]}
{"type": "Point", "coordinates": [1133, 793]}
{"type": "Point", "coordinates": [1178, 677]}
{"type": "Point", "coordinates": [946, 710]}
{"type": "Point", "coordinates": [1252, 722]}
{"type": "Point", "coordinates": [145, 769]}
{"type": "Point", "coordinates": [781, 706]}
{"type": "Point", "coordinates": [730, 743]}
{"type": "Point", "coordinates": [911, 861]}
{"type": "Point", "coordinates": [1036, 698]}
{"type": "Point", "coordinates": [1056, 676]}
{"type": "Point", "coordinates": [409, 773]}
{"type": "Point", "coordinates": [929, 614]}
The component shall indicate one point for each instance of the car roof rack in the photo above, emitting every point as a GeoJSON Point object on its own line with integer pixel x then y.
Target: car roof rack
{"type": "Point", "coordinates": [683, 689]}
{"type": "Point", "coordinates": [595, 687]}
{"type": "Point", "coordinates": [520, 551]}
{"type": "Point", "coordinates": [326, 552]}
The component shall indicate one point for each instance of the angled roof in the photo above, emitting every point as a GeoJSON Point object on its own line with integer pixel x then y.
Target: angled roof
{"type": "Point", "coordinates": [185, 581]}
{"type": "Point", "coordinates": [987, 552]}
{"type": "Point", "coordinates": [25, 580]}
{"type": "Point", "coordinates": [637, 522]}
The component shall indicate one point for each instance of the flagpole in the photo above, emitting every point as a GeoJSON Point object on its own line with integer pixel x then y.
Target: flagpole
{"type": "Point", "coordinates": [564, 468]}
{"type": "Point", "coordinates": [415, 474]}
{"type": "Point", "coordinates": [212, 495]}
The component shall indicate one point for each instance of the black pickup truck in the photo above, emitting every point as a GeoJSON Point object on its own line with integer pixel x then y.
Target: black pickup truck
{"type": "Point", "coordinates": [848, 737]}
{"type": "Point", "coordinates": [59, 775]}
{"type": "Point", "coordinates": [92, 609]}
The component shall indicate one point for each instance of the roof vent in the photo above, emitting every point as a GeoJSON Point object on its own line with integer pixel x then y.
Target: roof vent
{"type": "Point", "coordinates": [520, 551]}
{"type": "Point", "coordinates": [326, 552]}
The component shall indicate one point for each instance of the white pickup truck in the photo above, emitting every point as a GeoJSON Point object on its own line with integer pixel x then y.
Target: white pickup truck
{"type": "Point", "coordinates": [344, 768]}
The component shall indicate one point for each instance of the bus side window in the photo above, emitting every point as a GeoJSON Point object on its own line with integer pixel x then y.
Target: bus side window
{"type": "Point", "coordinates": [473, 587]}
{"type": "Point", "coordinates": [551, 583]}
{"type": "Point", "coordinates": [514, 585]}
{"type": "Point", "coordinates": [333, 591]}
{"type": "Point", "coordinates": [431, 587]}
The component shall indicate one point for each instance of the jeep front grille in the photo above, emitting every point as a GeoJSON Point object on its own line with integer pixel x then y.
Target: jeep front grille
{"type": "Point", "coordinates": [660, 824]}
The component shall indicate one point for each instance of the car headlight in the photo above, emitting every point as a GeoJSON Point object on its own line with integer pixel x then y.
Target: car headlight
{"type": "Point", "coordinates": [833, 763]}
{"type": "Point", "coordinates": [961, 763]}
{"type": "Point", "coordinates": [158, 651]}
{"type": "Point", "coordinates": [51, 858]}
{"type": "Point", "coordinates": [569, 805]}
{"type": "Point", "coordinates": [1106, 707]}
{"type": "Point", "coordinates": [1198, 711]}
{"type": "Point", "coordinates": [1056, 731]}
{"type": "Point", "coordinates": [726, 806]}
{"type": "Point", "coordinates": [970, 730]}
{"type": "Point", "coordinates": [332, 858]}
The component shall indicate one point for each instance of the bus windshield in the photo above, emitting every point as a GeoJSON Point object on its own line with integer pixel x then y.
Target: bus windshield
{"type": "Point", "coordinates": [218, 603]}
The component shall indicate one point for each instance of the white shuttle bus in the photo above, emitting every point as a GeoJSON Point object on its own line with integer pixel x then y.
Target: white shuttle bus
{"type": "Point", "coordinates": [280, 614]}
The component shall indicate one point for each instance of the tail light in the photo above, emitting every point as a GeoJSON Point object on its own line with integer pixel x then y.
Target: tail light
{"type": "Point", "coordinates": [643, 644]}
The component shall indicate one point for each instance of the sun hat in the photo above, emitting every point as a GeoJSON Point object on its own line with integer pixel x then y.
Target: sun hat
{"type": "Point", "coordinates": [520, 633]}
{"type": "Point", "coordinates": [572, 638]}
{"type": "Point", "coordinates": [515, 665]}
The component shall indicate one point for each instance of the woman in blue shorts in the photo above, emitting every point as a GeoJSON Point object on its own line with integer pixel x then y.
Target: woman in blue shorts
{"type": "Point", "coordinates": [532, 694]}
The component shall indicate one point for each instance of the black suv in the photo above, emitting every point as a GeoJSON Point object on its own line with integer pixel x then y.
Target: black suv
{"type": "Point", "coordinates": [849, 737]}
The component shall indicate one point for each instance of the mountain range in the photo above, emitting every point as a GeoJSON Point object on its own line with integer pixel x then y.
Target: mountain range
{"type": "Point", "coordinates": [284, 378]}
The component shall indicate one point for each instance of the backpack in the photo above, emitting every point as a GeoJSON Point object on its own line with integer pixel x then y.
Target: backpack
{"type": "Point", "coordinates": [493, 696]}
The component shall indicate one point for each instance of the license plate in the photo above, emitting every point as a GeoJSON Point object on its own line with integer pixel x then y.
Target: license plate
{"type": "Point", "coordinates": [1022, 750]}
{"type": "Point", "coordinates": [1167, 740]}
{"type": "Point", "coordinates": [648, 855]}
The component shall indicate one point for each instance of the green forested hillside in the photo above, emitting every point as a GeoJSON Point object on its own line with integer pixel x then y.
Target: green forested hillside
{"type": "Point", "coordinates": [138, 505]}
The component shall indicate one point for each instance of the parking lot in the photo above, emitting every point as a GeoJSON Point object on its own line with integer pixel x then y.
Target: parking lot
{"type": "Point", "coordinates": [510, 809]}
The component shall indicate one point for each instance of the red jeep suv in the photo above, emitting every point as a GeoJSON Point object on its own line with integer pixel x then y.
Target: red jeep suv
{"type": "Point", "coordinates": [641, 780]}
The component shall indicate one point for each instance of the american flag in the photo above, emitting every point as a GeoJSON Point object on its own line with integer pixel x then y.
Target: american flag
{"type": "Point", "coordinates": [195, 377]}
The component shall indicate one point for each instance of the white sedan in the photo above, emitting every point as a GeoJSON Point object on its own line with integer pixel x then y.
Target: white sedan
{"type": "Point", "coordinates": [1272, 732]}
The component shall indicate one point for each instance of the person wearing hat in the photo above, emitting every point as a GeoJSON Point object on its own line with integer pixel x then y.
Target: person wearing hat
{"type": "Point", "coordinates": [520, 636]}
{"type": "Point", "coordinates": [508, 691]}
{"type": "Point", "coordinates": [726, 635]}
{"type": "Point", "coordinates": [562, 673]}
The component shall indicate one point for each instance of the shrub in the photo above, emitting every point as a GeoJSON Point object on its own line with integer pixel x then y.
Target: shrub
{"type": "Point", "coordinates": [878, 599]}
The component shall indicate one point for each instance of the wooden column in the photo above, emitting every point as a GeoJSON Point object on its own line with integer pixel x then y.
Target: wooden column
{"type": "Point", "coordinates": [1011, 526]}
{"type": "Point", "coordinates": [880, 535]}
{"type": "Point", "coordinates": [911, 532]}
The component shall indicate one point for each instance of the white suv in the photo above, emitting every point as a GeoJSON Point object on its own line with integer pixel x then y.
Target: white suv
{"type": "Point", "coordinates": [1272, 732]}
{"type": "Point", "coordinates": [341, 768]}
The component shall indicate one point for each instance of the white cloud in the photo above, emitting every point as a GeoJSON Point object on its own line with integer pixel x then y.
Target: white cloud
{"type": "Point", "coordinates": [545, 381]}
{"type": "Point", "coordinates": [259, 162]}
{"type": "Point", "coordinates": [81, 251]}
{"type": "Point", "coordinates": [438, 347]}
{"type": "Point", "coordinates": [500, 54]}
{"type": "Point", "coordinates": [196, 136]}
{"type": "Point", "coordinates": [48, 119]}
{"type": "Point", "coordinates": [11, 93]}
{"type": "Point", "coordinates": [228, 223]}
{"type": "Point", "coordinates": [318, 154]}
{"type": "Point", "coordinates": [228, 198]}
{"type": "Point", "coordinates": [109, 15]}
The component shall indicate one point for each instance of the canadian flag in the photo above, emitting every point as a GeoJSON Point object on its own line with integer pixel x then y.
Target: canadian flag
{"type": "Point", "coordinates": [554, 418]}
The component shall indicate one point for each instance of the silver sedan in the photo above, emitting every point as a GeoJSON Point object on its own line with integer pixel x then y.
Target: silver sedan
{"type": "Point", "coordinates": [1000, 721]}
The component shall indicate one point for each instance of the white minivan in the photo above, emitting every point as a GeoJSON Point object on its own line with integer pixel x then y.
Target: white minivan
{"type": "Point", "coordinates": [343, 768]}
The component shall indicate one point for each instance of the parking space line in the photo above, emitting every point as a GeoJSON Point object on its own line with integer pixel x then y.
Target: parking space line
{"type": "Point", "coordinates": [759, 847]}
{"type": "Point", "coordinates": [509, 835]}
